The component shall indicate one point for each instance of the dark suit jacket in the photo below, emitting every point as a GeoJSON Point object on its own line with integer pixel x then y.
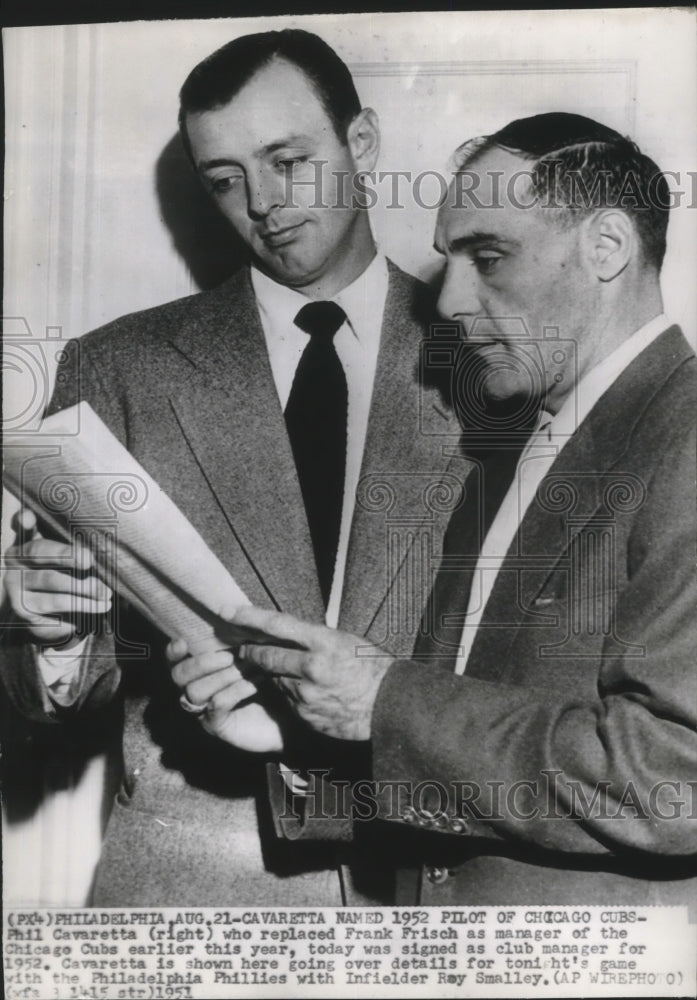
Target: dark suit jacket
{"type": "Point", "coordinates": [188, 388]}
{"type": "Point", "coordinates": [582, 678]}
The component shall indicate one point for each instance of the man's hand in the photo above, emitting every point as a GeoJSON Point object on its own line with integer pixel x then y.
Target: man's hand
{"type": "Point", "coordinates": [332, 683]}
{"type": "Point", "coordinates": [48, 581]}
{"type": "Point", "coordinates": [232, 708]}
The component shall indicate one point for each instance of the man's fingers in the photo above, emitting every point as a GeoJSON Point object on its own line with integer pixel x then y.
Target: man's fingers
{"type": "Point", "coordinates": [193, 668]}
{"type": "Point", "coordinates": [44, 552]}
{"type": "Point", "coordinates": [247, 726]}
{"type": "Point", "coordinates": [24, 525]}
{"type": "Point", "coordinates": [49, 631]}
{"type": "Point", "coordinates": [176, 650]}
{"type": "Point", "coordinates": [53, 581]}
{"type": "Point", "coordinates": [37, 603]}
{"type": "Point", "coordinates": [228, 698]}
{"type": "Point", "coordinates": [209, 688]}
{"type": "Point", "coordinates": [285, 627]}
{"type": "Point", "coordinates": [275, 660]}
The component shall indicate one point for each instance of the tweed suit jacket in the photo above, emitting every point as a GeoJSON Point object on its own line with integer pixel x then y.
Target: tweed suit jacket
{"type": "Point", "coordinates": [582, 680]}
{"type": "Point", "coordinates": [187, 387]}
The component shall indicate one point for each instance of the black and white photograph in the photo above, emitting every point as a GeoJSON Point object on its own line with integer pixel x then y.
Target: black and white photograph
{"type": "Point", "coordinates": [348, 533]}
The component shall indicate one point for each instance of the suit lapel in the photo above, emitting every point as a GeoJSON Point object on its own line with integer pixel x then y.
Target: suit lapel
{"type": "Point", "coordinates": [402, 466]}
{"type": "Point", "coordinates": [579, 484]}
{"type": "Point", "coordinates": [231, 397]}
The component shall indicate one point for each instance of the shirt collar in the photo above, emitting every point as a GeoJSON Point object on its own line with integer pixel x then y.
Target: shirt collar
{"type": "Point", "coordinates": [279, 304]}
{"type": "Point", "coordinates": [360, 299]}
{"type": "Point", "coordinates": [598, 380]}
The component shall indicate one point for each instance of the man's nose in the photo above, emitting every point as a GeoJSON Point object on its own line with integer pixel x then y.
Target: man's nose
{"type": "Point", "coordinates": [264, 193]}
{"type": "Point", "coordinates": [459, 299]}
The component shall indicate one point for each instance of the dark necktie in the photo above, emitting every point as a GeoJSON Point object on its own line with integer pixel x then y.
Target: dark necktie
{"type": "Point", "coordinates": [316, 422]}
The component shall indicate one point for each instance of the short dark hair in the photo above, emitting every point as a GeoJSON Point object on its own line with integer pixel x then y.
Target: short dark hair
{"type": "Point", "coordinates": [219, 77]}
{"type": "Point", "coordinates": [570, 154]}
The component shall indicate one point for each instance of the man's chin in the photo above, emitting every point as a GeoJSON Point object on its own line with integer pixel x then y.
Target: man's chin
{"type": "Point", "coordinates": [286, 271]}
{"type": "Point", "coordinates": [510, 408]}
{"type": "Point", "coordinates": [498, 391]}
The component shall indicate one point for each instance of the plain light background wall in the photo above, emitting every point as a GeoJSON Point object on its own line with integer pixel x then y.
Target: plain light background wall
{"type": "Point", "coordinates": [103, 215]}
{"type": "Point", "coordinates": [94, 176]}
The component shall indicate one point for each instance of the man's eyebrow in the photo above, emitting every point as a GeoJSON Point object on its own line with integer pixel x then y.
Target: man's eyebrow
{"type": "Point", "coordinates": [289, 140]}
{"type": "Point", "coordinates": [478, 238]}
{"type": "Point", "coordinates": [272, 147]}
{"type": "Point", "coordinates": [221, 161]}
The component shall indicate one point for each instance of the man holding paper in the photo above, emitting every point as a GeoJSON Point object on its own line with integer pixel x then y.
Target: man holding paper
{"type": "Point", "coordinates": [277, 412]}
{"type": "Point", "coordinates": [540, 746]}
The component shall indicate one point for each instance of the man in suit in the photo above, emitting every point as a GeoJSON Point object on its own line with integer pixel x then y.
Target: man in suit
{"type": "Point", "coordinates": [540, 746]}
{"type": "Point", "coordinates": [268, 410]}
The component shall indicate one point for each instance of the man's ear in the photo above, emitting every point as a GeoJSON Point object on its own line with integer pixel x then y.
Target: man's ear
{"type": "Point", "coordinates": [613, 243]}
{"type": "Point", "coordinates": [363, 139]}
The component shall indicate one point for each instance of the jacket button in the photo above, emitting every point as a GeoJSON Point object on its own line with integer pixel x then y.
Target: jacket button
{"type": "Point", "coordinates": [458, 826]}
{"type": "Point", "coordinates": [436, 875]}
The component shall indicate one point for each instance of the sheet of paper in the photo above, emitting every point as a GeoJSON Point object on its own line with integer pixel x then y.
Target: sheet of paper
{"type": "Point", "coordinates": [86, 485]}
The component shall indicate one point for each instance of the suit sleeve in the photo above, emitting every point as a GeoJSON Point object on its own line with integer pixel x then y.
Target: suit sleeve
{"type": "Point", "coordinates": [77, 379]}
{"type": "Point", "coordinates": [608, 773]}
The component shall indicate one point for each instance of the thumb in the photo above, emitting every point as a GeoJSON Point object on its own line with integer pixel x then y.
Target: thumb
{"type": "Point", "coordinates": [24, 524]}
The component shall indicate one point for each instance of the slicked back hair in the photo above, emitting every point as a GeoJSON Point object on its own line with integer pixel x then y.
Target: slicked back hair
{"type": "Point", "coordinates": [218, 78]}
{"type": "Point", "coordinates": [579, 166]}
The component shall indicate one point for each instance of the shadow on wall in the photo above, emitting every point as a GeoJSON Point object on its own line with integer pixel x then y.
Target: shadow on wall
{"type": "Point", "coordinates": [200, 234]}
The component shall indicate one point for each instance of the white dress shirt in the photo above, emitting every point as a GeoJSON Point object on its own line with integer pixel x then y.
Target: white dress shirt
{"type": "Point", "coordinates": [357, 344]}
{"type": "Point", "coordinates": [546, 442]}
